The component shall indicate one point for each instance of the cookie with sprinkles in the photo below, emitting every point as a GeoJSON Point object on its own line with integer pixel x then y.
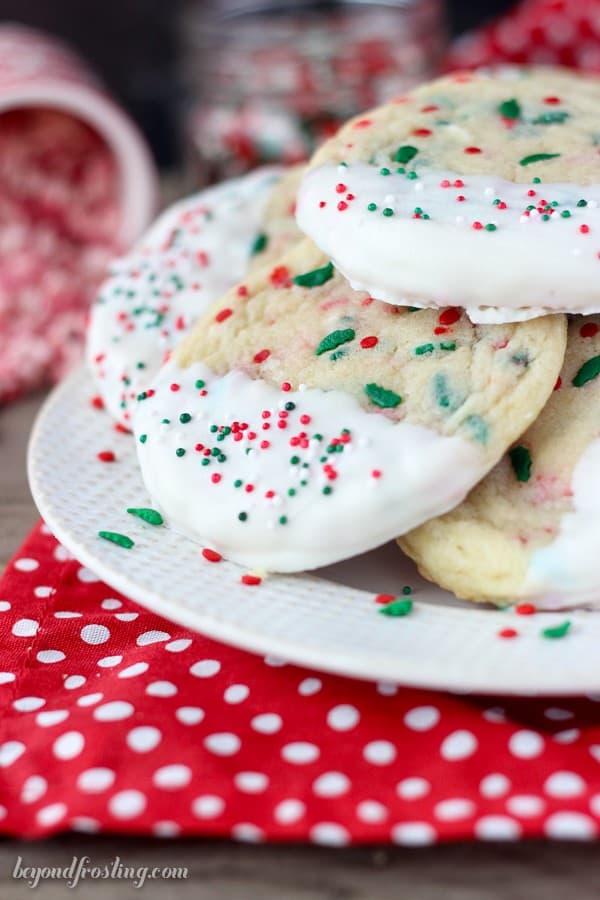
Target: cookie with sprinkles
{"type": "Point", "coordinates": [479, 190]}
{"type": "Point", "coordinates": [194, 252]}
{"type": "Point", "coordinates": [302, 422]}
{"type": "Point", "coordinates": [531, 530]}
{"type": "Point", "coordinates": [279, 230]}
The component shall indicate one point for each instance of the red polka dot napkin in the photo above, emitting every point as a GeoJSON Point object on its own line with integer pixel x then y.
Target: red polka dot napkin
{"type": "Point", "coordinates": [114, 719]}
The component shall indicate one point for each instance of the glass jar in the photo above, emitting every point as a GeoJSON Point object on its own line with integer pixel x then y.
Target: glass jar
{"type": "Point", "coordinates": [268, 82]}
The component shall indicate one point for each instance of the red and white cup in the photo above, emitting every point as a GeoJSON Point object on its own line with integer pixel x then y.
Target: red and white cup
{"type": "Point", "coordinates": [39, 71]}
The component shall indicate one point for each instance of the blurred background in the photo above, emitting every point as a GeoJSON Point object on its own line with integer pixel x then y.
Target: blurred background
{"type": "Point", "coordinates": [152, 56]}
{"type": "Point", "coordinates": [109, 111]}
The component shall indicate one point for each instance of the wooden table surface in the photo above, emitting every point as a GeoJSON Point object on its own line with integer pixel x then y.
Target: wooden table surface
{"type": "Point", "coordinates": [224, 871]}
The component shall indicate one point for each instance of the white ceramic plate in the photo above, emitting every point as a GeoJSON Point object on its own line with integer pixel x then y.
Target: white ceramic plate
{"type": "Point", "coordinates": [326, 621]}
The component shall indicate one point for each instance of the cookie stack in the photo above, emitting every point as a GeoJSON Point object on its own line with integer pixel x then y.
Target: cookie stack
{"type": "Point", "coordinates": [402, 365]}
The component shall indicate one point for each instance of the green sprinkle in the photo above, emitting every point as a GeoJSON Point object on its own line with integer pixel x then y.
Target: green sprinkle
{"type": "Point", "coordinates": [180, 451]}
{"type": "Point", "coordinates": [557, 631]}
{"type": "Point", "coordinates": [238, 482]}
{"type": "Point", "coordinates": [424, 348]}
{"type": "Point", "coordinates": [397, 608]}
{"type": "Point", "coordinates": [372, 207]}
{"type": "Point", "coordinates": [165, 421]}
{"type": "Point", "coordinates": [259, 244]}
{"type": "Point", "coordinates": [316, 277]}
{"type": "Point", "coordinates": [478, 427]}
{"type": "Point", "coordinates": [338, 355]}
{"type": "Point", "coordinates": [537, 180]}
{"type": "Point", "coordinates": [510, 109]}
{"type": "Point", "coordinates": [520, 460]}
{"type": "Point", "coordinates": [388, 211]}
{"type": "Point", "coordinates": [537, 157]}
{"type": "Point", "coordinates": [184, 418]}
{"type": "Point", "coordinates": [448, 345]}
{"type": "Point", "coordinates": [335, 339]}
{"type": "Point", "coordinates": [213, 429]}
{"type": "Point", "coordinates": [283, 520]}
{"type": "Point", "coordinates": [441, 390]}
{"type": "Point", "coordinates": [490, 227]}
{"type": "Point", "coordinates": [566, 214]}
{"type": "Point", "coordinates": [385, 171]}
{"type": "Point", "coordinates": [199, 384]}
{"type": "Point", "coordinates": [582, 203]}
{"type": "Point", "coordinates": [382, 397]}
{"type": "Point", "coordinates": [143, 438]}
{"type": "Point", "coordinates": [405, 153]}
{"type": "Point", "coordinates": [115, 538]}
{"type": "Point", "coordinates": [551, 118]}
{"type": "Point", "coordinates": [589, 370]}
{"type": "Point", "coordinates": [242, 516]}
{"type": "Point", "coordinates": [140, 365]}
{"type": "Point", "coordinates": [406, 590]}
{"type": "Point", "coordinates": [327, 490]}
{"type": "Point", "coordinates": [411, 175]}
{"type": "Point", "coordinates": [148, 515]}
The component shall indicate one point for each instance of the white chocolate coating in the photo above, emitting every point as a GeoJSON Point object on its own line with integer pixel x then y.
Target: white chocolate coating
{"type": "Point", "coordinates": [388, 476]}
{"type": "Point", "coordinates": [528, 263]}
{"type": "Point", "coordinates": [194, 252]}
{"type": "Point", "coordinates": [566, 572]}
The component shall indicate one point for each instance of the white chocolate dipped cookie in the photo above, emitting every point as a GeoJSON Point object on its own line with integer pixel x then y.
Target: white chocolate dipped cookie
{"type": "Point", "coordinates": [195, 251]}
{"type": "Point", "coordinates": [530, 530]}
{"type": "Point", "coordinates": [479, 190]}
{"type": "Point", "coordinates": [301, 422]}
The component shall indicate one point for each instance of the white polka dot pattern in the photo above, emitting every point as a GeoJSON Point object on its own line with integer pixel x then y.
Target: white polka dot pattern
{"type": "Point", "coordinates": [135, 723]}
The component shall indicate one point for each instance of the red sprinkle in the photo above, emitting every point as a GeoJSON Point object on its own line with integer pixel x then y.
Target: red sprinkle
{"type": "Point", "coordinates": [368, 342]}
{"type": "Point", "coordinates": [340, 188]}
{"type": "Point", "coordinates": [525, 609]}
{"type": "Point", "coordinates": [322, 204]}
{"type": "Point", "coordinates": [508, 633]}
{"type": "Point", "coordinates": [215, 478]}
{"type": "Point", "coordinates": [384, 598]}
{"type": "Point", "coordinates": [97, 402]}
{"type": "Point", "coordinates": [223, 314]}
{"type": "Point", "coordinates": [342, 205]}
{"type": "Point", "coordinates": [242, 291]}
{"type": "Point", "coordinates": [558, 384]}
{"type": "Point", "coordinates": [121, 428]}
{"type": "Point", "coordinates": [477, 226]}
{"type": "Point", "coordinates": [251, 580]}
{"type": "Point", "coordinates": [362, 123]}
{"type": "Point", "coordinates": [421, 132]}
{"type": "Point", "coordinates": [473, 150]}
{"type": "Point", "coordinates": [588, 330]}
{"type": "Point", "coordinates": [280, 276]}
{"type": "Point", "coordinates": [106, 456]}
{"type": "Point", "coordinates": [449, 316]}
{"type": "Point", "coordinates": [584, 229]}
{"type": "Point", "coordinates": [286, 386]}
{"type": "Point", "coordinates": [551, 100]}
{"type": "Point", "coordinates": [261, 356]}
{"type": "Point", "coordinates": [432, 108]}
{"type": "Point", "coordinates": [175, 387]}
{"type": "Point", "coordinates": [211, 555]}
{"type": "Point", "coordinates": [305, 419]}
